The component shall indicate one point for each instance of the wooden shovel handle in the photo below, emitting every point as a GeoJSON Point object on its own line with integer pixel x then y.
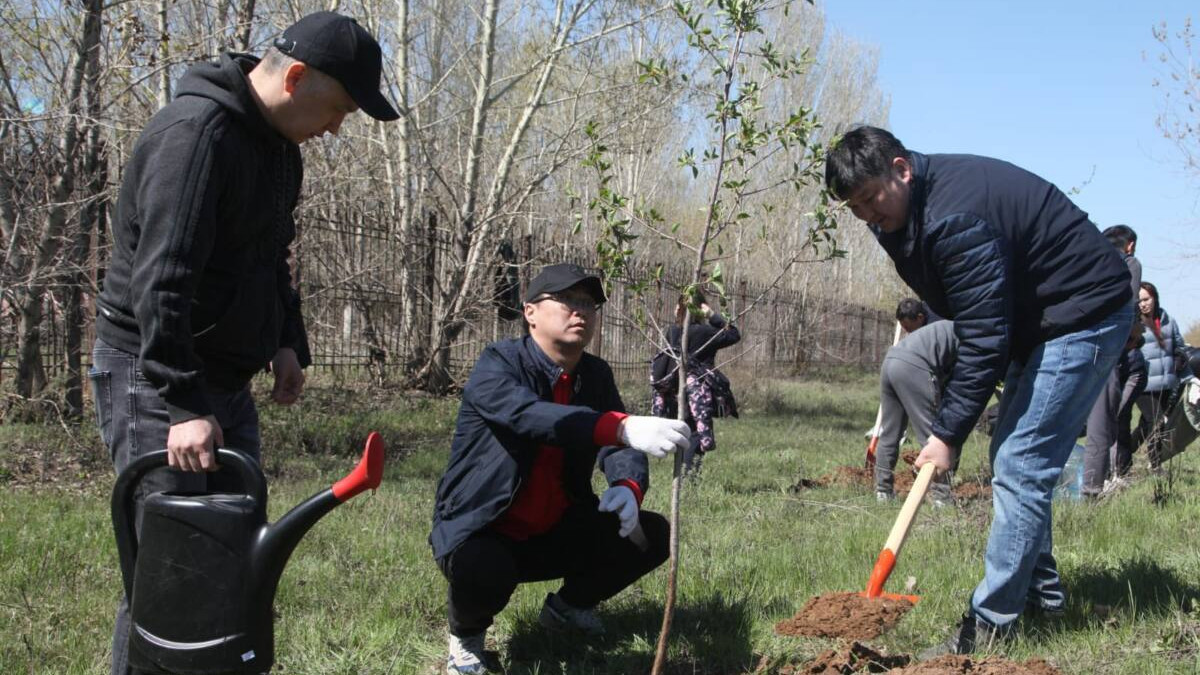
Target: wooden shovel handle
{"type": "Point", "coordinates": [899, 531]}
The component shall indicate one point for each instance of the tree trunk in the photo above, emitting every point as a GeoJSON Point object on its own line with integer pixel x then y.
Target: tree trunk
{"type": "Point", "coordinates": [89, 217]}
{"type": "Point", "coordinates": [31, 377]}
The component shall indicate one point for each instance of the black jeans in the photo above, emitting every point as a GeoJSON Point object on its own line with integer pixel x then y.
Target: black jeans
{"type": "Point", "coordinates": [133, 421]}
{"type": "Point", "coordinates": [585, 550]}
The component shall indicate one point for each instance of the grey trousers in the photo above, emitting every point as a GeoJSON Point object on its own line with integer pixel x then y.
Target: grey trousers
{"type": "Point", "coordinates": [133, 421]}
{"type": "Point", "coordinates": [909, 394]}
{"type": "Point", "coordinates": [1109, 449]}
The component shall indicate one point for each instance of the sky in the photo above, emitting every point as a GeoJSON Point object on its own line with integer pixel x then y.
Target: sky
{"type": "Point", "coordinates": [1063, 88]}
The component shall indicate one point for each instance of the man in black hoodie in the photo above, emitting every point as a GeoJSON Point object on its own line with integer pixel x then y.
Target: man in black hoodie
{"type": "Point", "coordinates": [198, 295]}
{"type": "Point", "coordinates": [1038, 298]}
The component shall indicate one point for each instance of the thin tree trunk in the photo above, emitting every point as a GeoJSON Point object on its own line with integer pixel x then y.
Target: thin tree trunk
{"type": "Point", "coordinates": [664, 636]}
{"type": "Point", "coordinates": [164, 54]}
{"type": "Point", "coordinates": [245, 22]}
{"type": "Point", "coordinates": [31, 378]}
{"type": "Point", "coordinates": [88, 218]}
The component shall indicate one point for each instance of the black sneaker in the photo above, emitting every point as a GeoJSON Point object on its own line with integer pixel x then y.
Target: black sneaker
{"type": "Point", "coordinates": [1035, 609]}
{"type": "Point", "coordinates": [971, 635]}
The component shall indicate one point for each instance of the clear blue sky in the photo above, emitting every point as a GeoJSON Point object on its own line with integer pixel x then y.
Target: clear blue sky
{"type": "Point", "coordinates": [1059, 87]}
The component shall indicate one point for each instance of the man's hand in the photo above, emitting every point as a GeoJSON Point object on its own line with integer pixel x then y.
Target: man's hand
{"type": "Point", "coordinates": [937, 451]}
{"type": "Point", "coordinates": [619, 499]}
{"type": "Point", "coordinates": [191, 445]}
{"type": "Point", "coordinates": [654, 436]}
{"type": "Point", "coordinates": [289, 378]}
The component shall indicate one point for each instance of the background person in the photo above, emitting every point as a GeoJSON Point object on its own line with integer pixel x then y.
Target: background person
{"type": "Point", "coordinates": [911, 314]}
{"type": "Point", "coordinates": [198, 295]}
{"type": "Point", "coordinates": [515, 503]}
{"type": "Point", "coordinates": [1166, 357]}
{"type": "Point", "coordinates": [1108, 448]}
{"type": "Point", "coordinates": [709, 393]}
{"type": "Point", "coordinates": [912, 376]}
{"type": "Point", "coordinates": [1038, 298]}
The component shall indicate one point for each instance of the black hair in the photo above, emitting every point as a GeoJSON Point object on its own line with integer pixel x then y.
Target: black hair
{"type": "Point", "coordinates": [1120, 236]}
{"type": "Point", "coordinates": [910, 308]}
{"type": "Point", "coordinates": [859, 155]}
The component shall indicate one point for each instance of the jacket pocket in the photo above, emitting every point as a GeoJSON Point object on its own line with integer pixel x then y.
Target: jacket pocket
{"type": "Point", "coordinates": [101, 381]}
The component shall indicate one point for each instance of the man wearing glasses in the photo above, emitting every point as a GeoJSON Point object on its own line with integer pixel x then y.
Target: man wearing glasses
{"type": "Point", "coordinates": [515, 503]}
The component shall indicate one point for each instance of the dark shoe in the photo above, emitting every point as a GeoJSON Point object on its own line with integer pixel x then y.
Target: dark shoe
{"type": "Point", "coordinates": [558, 615]}
{"type": "Point", "coordinates": [1036, 609]}
{"type": "Point", "coordinates": [971, 635]}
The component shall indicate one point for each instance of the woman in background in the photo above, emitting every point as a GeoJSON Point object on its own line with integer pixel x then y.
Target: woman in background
{"type": "Point", "coordinates": [1165, 358]}
{"type": "Point", "coordinates": [708, 391]}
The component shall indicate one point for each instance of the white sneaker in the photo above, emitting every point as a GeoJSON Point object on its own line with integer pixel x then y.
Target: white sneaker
{"type": "Point", "coordinates": [881, 496]}
{"type": "Point", "coordinates": [558, 615]}
{"type": "Point", "coordinates": [1112, 485]}
{"type": "Point", "coordinates": [466, 656]}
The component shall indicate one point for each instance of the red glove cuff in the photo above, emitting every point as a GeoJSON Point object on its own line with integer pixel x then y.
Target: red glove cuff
{"type": "Point", "coordinates": [605, 431]}
{"type": "Point", "coordinates": [632, 485]}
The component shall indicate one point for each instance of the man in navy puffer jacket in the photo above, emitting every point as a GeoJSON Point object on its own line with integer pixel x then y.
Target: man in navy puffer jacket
{"type": "Point", "coordinates": [1038, 298]}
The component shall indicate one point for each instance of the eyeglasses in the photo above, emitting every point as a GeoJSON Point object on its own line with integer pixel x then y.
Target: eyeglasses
{"type": "Point", "coordinates": [577, 304]}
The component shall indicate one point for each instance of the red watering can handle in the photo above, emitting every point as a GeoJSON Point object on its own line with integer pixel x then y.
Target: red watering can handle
{"type": "Point", "coordinates": [367, 475]}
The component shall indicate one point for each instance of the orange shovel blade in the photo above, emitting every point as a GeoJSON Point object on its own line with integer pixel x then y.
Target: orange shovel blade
{"type": "Point", "coordinates": [879, 576]}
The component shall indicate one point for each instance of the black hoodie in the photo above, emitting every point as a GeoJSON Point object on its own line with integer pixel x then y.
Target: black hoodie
{"type": "Point", "coordinates": [198, 285]}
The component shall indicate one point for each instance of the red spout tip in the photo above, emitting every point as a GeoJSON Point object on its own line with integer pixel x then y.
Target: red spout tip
{"type": "Point", "coordinates": [367, 475]}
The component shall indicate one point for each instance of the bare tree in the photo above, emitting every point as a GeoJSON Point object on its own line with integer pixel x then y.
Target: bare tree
{"type": "Point", "coordinates": [1179, 82]}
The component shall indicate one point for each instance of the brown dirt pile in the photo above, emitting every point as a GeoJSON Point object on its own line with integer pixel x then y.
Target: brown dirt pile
{"type": "Point", "coordinates": [845, 615]}
{"type": "Point", "coordinates": [969, 665]}
{"type": "Point", "coordinates": [857, 476]}
{"type": "Point", "coordinates": [852, 658]}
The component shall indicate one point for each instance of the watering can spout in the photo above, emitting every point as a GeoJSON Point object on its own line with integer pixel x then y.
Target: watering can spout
{"type": "Point", "coordinates": [279, 540]}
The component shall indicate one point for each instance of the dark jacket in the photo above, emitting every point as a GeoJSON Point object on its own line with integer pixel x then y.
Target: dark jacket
{"type": "Point", "coordinates": [198, 285]}
{"type": "Point", "coordinates": [505, 416]}
{"type": "Point", "coordinates": [704, 339]}
{"type": "Point", "coordinates": [1010, 259]}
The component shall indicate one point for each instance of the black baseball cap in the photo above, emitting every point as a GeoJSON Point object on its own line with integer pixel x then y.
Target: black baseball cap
{"type": "Point", "coordinates": [560, 277]}
{"type": "Point", "coordinates": [337, 46]}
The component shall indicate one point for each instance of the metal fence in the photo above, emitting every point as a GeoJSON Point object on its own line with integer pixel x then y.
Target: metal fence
{"type": "Point", "coordinates": [356, 323]}
{"type": "Point", "coordinates": [350, 279]}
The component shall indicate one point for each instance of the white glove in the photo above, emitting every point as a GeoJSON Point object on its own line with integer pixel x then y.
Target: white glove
{"type": "Point", "coordinates": [619, 499]}
{"type": "Point", "coordinates": [655, 436]}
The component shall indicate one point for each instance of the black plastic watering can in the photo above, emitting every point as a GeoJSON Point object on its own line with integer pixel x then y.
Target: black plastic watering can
{"type": "Point", "coordinates": [201, 579]}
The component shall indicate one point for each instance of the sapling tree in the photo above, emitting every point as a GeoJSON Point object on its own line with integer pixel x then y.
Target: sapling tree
{"type": "Point", "coordinates": [752, 145]}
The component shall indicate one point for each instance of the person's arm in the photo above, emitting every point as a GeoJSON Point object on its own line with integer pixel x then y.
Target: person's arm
{"type": "Point", "coordinates": [497, 392]}
{"type": "Point", "coordinates": [1135, 384]}
{"type": "Point", "coordinates": [177, 193]}
{"type": "Point", "coordinates": [974, 275]}
{"type": "Point", "coordinates": [621, 465]}
{"type": "Point", "coordinates": [727, 333]}
{"type": "Point", "coordinates": [292, 334]}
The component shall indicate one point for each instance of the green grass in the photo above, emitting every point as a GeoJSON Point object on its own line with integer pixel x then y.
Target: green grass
{"type": "Point", "coordinates": [362, 594]}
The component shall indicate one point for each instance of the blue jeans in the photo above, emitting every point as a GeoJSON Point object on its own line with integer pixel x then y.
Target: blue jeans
{"type": "Point", "coordinates": [1045, 405]}
{"type": "Point", "coordinates": [133, 421]}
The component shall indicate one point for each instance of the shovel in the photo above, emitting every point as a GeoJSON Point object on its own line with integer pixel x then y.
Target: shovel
{"type": "Point", "coordinates": [869, 462]}
{"type": "Point", "coordinates": [895, 541]}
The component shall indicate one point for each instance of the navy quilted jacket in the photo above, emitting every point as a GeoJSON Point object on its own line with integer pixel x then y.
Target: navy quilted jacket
{"type": "Point", "coordinates": [1010, 259]}
{"type": "Point", "coordinates": [507, 413]}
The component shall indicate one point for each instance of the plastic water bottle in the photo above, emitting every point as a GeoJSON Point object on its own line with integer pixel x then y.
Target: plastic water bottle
{"type": "Point", "coordinates": [1070, 483]}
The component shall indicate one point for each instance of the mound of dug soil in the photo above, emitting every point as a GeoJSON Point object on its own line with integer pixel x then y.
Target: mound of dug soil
{"type": "Point", "coordinates": [845, 615]}
{"type": "Point", "coordinates": [902, 482]}
{"type": "Point", "coordinates": [852, 658]}
{"type": "Point", "coordinates": [968, 665]}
